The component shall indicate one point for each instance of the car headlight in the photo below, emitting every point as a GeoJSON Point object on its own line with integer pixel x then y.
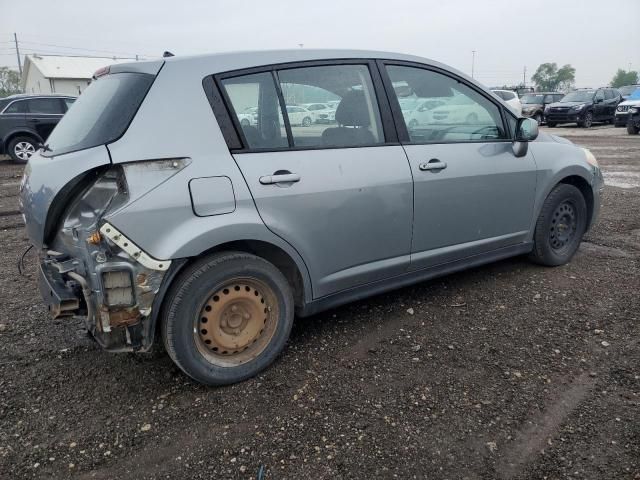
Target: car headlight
{"type": "Point", "coordinates": [591, 160]}
{"type": "Point", "coordinates": [577, 107]}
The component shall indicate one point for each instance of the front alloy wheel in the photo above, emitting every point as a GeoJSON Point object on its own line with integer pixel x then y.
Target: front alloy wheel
{"type": "Point", "coordinates": [21, 149]}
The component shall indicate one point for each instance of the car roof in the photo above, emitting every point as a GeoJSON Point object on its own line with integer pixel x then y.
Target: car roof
{"type": "Point", "coordinates": [36, 95]}
{"type": "Point", "coordinates": [214, 63]}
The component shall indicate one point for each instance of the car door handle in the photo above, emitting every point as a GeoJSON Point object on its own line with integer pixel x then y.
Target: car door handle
{"type": "Point", "coordinates": [433, 164]}
{"type": "Point", "coordinates": [34, 120]}
{"type": "Point", "coordinates": [280, 178]}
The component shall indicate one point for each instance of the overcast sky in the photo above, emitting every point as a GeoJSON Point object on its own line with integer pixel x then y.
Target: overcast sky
{"type": "Point", "coordinates": [595, 36]}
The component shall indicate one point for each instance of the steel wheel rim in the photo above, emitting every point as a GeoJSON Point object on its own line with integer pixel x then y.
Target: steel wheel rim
{"type": "Point", "coordinates": [588, 120]}
{"type": "Point", "coordinates": [564, 224]}
{"type": "Point", "coordinates": [236, 322]}
{"type": "Point", "coordinates": [24, 150]}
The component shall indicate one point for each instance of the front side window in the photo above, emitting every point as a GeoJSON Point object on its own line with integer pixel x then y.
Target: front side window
{"type": "Point", "coordinates": [17, 107]}
{"type": "Point", "coordinates": [599, 95]}
{"type": "Point", "coordinates": [609, 95]}
{"type": "Point", "coordinates": [456, 112]}
{"type": "Point", "coordinates": [51, 106]}
{"type": "Point", "coordinates": [356, 120]}
{"type": "Point", "coordinates": [256, 106]}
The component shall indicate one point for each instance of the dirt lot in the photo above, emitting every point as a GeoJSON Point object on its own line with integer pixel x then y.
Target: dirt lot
{"type": "Point", "coordinates": [506, 371]}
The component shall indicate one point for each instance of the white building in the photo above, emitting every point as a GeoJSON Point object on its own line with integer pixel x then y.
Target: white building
{"type": "Point", "coordinates": [67, 75]}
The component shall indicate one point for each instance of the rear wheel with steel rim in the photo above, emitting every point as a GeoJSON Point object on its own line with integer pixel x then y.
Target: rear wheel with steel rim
{"type": "Point", "coordinates": [306, 122]}
{"type": "Point", "coordinates": [21, 149]}
{"type": "Point", "coordinates": [227, 317]}
{"type": "Point", "coordinates": [560, 226]}
{"type": "Point", "coordinates": [538, 118]}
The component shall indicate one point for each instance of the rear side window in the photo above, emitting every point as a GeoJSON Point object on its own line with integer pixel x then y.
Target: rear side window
{"type": "Point", "coordinates": [17, 107]}
{"type": "Point", "coordinates": [356, 121]}
{"type": "Point", "coordinates": [508, 95]}
{"type": "Point", "coordinates": [256, 107]}
{"type": "Point", "coordinates": [47, 106]}
{"type": "Point", "coordinates": [608, 94]}
{"type": "Point", "coordinates": [101, 114]}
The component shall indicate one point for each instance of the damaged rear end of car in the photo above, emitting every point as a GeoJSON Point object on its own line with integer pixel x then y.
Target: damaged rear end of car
{"type": "Point", "coordinates": [87, 267]}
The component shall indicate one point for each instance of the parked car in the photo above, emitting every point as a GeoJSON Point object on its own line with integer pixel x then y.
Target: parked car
{"type": "Point", "coordinates": [622, 111]}
{"type": "Point", "coordinates": [584, 107]}
{"type": "Point", "coordinates": [633, 121]}
{"type": "Point", "coordinates": [27, 120]}
{"type": "Point", "coordinates": [627, 90]}
{"type": "Point", "coordinates": [420, 112]}
{"type": "Point", "coordinates": [211, 236]}
{"type": "Point", "coordinates": [300, 116]}
{"type": "Point", "coordinates": [459, 109]}
{"type": "Point", "coordinates": [249, 116]}
{"type": "Point", "coordinates": [533, 104]}
{"type": "Point", "coordinates": [322, 112]}
{"type": "Point", "coordinates": [511, 98]}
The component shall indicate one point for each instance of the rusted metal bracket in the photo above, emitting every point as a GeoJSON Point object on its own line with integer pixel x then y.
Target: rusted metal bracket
{"type": "Point", "coordinates": [132, 249]}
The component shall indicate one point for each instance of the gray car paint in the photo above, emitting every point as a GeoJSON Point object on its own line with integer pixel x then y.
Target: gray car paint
{"type": "Point", "coordinates": [359, 228]}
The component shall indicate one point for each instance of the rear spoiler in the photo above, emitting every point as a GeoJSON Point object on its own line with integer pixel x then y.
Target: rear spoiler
{"type": "Point", "coordinates": [150, 67]}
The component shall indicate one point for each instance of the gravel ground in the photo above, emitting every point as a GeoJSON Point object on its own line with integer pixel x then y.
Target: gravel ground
{"type": "Point", "coordinates": [505, 371]}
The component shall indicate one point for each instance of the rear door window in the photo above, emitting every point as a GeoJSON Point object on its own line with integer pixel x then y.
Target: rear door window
{"type": "Point", "coordinates": [17, 107]}
{"type": "Point", "coordinates": [101, 114]}
{"type": "Point", "coordinates": [46, 106]}
{"type": "Point", "coordinates": [256, 107]}
{"type": "Point", "coordinates": [357, 117]}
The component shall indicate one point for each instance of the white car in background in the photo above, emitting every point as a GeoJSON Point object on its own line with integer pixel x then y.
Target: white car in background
{"type": "Point", "coordinates": [418, 112]}
{"type": "Point", "coordinates": [249, 116]}
{"type": "Point", "coordinates": [460, 109]}
{"type": "Point", "coordinates": [300, 116]}
{"type": "Point", "coordinates": [323, 113]}
{"type": "Point", "coordinates": [511, 99]}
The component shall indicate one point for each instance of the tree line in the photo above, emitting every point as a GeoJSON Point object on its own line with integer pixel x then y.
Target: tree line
{"type": "Point", "coordinates": [548, 77]}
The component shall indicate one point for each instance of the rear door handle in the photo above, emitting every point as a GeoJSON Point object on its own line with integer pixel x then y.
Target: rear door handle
{"type": "Point", "coordinates": [433, 164]}
{"type": "Point", "coordinates": [280, 178]}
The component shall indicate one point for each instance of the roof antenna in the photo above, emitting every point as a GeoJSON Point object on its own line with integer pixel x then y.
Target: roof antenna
{"type": "Point", "coordinates": [167, 54]}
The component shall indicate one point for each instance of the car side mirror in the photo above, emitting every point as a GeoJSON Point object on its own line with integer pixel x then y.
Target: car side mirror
{"type": "Point", "coordinates": [599, 100]}
{"type": "Point", "coordinates": [526, 130]}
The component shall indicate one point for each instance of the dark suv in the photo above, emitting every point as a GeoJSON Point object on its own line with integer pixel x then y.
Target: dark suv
{"type": "Point", "coordinates": [533, 104]}
{"type": "Point", "coordinates": [27, 120]}
{"type": "Point", "coordinates": [584, 107]}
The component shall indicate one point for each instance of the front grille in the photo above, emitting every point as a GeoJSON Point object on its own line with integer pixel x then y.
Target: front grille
{"type": "Point", "coordinates": [623, 108]}
{"type": "Point", "coordinates": [559, 109]}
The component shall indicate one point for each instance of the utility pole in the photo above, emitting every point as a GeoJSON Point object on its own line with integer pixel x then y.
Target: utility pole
{"type": "Point", "coordinates": [473, 62]}
{"type": "Point", "coordinates": [15, 38]}
{"type": "Point", "coordinates": [524, 77]}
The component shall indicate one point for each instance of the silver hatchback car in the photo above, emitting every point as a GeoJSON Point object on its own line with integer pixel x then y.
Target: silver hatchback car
{"type": "Point", "coordinates": [160, 214]}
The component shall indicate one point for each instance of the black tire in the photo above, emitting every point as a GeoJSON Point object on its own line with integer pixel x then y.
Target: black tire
{"type": "Point", "coordinates": [551, 124]}
{"type": "Point", "coordinates": [538, 118]}
{"type": "Point", "coordinates": [244, 122]}
{"type": "Point", "coordinates": [191, 294]}
{"type": "Point", "coordinates": [632, 130]}
{"type": "Point", "coordinates": [306, 122]}
{"type": "Point", "coordinates": [19, 148]}
{"type": "Point", "coordinates": [564, 207]}
{"type": "Point", "coordinates": [413, 123]}
{"type": "Point", "coordinates": [587, 122]}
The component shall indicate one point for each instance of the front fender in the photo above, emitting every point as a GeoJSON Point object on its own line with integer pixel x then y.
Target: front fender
{"type": "Point", "coordinates": [556, 162]}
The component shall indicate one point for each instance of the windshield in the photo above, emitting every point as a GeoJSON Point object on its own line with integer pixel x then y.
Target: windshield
{"type": "Point", "coordinates": [579, 96]}
{"type": "Point", "coordinates": [101, 114]}
{"type": "Point", "coordinates": [628, 89]}
{"type": "Point", "coordinates": [532, 99]}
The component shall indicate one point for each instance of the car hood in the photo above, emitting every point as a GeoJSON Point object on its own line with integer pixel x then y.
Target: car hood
{"type": "Point", "coordinates": [631, 103]}
{"type": "Point", "coordinates": [567, 104]}
{"type": "Point", "coordinates": [531, 105]}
